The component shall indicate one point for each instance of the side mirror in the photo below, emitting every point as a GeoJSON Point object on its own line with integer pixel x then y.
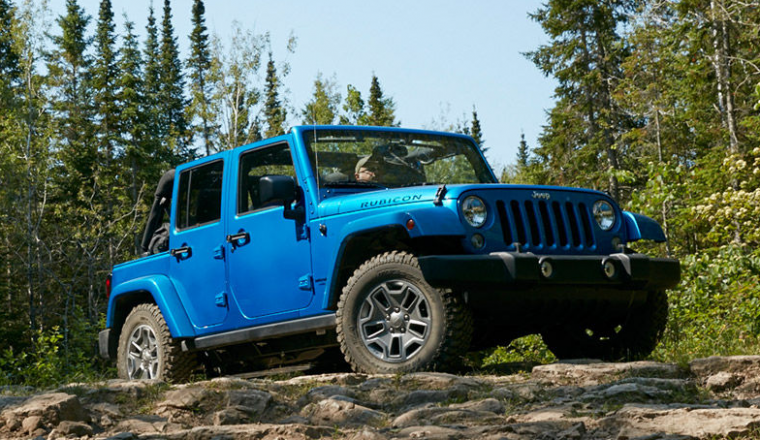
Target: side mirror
{"type": "Point", "coordinates": [281, 189]}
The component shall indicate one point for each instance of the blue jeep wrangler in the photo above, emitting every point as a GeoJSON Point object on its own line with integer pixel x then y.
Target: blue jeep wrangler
{"type": "Point", "coordinates": [399, 246]}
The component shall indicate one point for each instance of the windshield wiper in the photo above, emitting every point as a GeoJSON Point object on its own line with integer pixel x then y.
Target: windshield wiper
{"type": "Point", "coordinates": [406, 185]}
{"type": "Point", "coordinates": [353, 184]}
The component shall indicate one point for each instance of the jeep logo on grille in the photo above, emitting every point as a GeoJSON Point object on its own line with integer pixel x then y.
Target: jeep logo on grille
{"type": "Point", "coordinates": [541, 195]}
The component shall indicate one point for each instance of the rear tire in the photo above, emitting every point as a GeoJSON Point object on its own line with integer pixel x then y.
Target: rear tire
{"type": "Point", "coordinates": [632, 340]}
{"type": "Point", "coordinates": [390, 320]}
{"type": "Point", "coordinates": [148, 351]}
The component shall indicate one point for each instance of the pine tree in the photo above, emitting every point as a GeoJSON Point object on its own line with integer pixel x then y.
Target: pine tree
{"type": "Point", "coordinates": [152, 87]}
{"type": "Point", "coordinates": [104, 81]}
{"type": "Point", "coordinates": [171, 98]}
{"type": "Point", "coordinates": [323, 106]}
{"type": "Point", "coordinates": [132, 107]}
{"type": "Point", "coordinates": [274, 112]}
{"type": "Point", "coordinates": [10, 71]}
{"type": "Point", "coordinates": [68, 73]}
{"type": "Point", "coordinates": [199, 65]}
{"type": "Point", "coordinates": [152, 64]}
{"type": "Point", "coordinates": [353, 108]}
{"type": "Point", "coordinates": [586, 124]}
{"type": "Point", "coordinates": [381, 110]}
{"type": "Point", "coordinates": [476, 132]}
{"type": "Point", "coordinates": [523, 153]}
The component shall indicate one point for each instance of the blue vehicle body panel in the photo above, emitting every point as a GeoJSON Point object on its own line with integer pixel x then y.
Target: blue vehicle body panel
{"type": "Point", "coordinates": [162, 290]}
{"type": "Point", "coordinates": [270, 274]}
{"type": "Point", "coordinates": [288, 269]}
{"type": "Point", "coordinates": [641, 227]}
{"type": "Point", "coordinates": [199, 276]}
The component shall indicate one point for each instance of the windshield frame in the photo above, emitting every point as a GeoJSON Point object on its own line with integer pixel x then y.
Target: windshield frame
{"type": "Point", "coordinates": [414, 149]}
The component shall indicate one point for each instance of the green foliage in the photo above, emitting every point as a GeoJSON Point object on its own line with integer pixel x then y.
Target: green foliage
{"type": "Point", "coordinates": [378, 110]}
{"type": "Point", "coordinates": [716, 309]}
{"type": "Point", "coordinates": [381, 109]}
{"type": "Point", "coordinates": [353, 108]}
{"type": "Point", "coordinates": [199, 65]}
{"type": "Point", "coordinates": [476, 132]}
{"type": "Point", "coordinates": [530, 349]}
{"type": "Point", "coordinates": [46, 363]}
{"type": "Point", "coordinates": [171, 92]}
{"type": "Point", "coordinates": [582, 144]}
{"type": "Point", "coordinates": [274, 111]}
{"type": "Point", "coordinates": [323, 108]}
{"type": "Point", "coordinates": [38, 367]}
{"type": "Point", "coordinates": [235, 96]}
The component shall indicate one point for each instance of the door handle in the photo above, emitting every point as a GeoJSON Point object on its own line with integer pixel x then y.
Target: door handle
{"type": "Point", "coordinates": [182, 253]}
{"type": "Point", "coordinates": [239, 239]}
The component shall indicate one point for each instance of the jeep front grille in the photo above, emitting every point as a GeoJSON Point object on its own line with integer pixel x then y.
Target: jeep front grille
{"type": "Point", "coordinates": [542, 224]}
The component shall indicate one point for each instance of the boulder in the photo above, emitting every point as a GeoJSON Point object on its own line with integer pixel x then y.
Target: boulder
{"type": "Point", "coordinates": [252, 402]}
{"type": "Point", "coordinates": [46, 410]}
{"type": "Point", "coordinates": [69, 428]}
{"type": "Point", "coordinates": [342, 412]}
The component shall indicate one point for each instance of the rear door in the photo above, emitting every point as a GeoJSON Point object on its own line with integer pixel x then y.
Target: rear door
{"type": "Point", "coordinates": [269, 263]}
{"type": "Point", "coordinates": [197, 243]}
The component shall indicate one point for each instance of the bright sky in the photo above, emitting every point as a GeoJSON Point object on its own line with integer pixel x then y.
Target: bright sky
{"type": "Point", "coordinates": [436, 58]}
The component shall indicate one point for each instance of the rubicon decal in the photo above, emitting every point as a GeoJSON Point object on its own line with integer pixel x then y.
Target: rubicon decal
{"type": "Point", "coordinates": [391, 201]}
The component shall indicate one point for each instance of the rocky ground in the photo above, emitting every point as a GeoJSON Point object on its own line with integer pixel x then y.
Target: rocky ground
{"type": "Point", "coordinates": [710, 398]}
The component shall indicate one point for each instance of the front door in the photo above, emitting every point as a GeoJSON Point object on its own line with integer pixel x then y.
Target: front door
{"type": "Point", "coordinates": [269, 265]}
{"type": "Point", "coordinates": [197, 244]}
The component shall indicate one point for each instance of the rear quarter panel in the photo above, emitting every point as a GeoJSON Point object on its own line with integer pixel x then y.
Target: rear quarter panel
{"type": "Point", "coordinates": [148, 275]}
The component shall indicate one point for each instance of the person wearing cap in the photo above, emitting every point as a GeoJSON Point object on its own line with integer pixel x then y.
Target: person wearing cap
{"type": "Point", "coordinates": [362, 173]}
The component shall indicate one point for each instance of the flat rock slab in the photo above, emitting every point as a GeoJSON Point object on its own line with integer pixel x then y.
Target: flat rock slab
{"type": "Point", "coordinates": [592, 372]}
{"type": "Point", "coordinates": [714, 398]}
{"type": "Point", "coordinates": [641, 420]}
{"type": "Point", "coordinates": [741, 365]}
{"type": "Point", "coordinates": [247, 432]}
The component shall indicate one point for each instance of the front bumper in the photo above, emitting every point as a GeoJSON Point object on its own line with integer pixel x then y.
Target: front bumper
{"type": "Point", "coordinates": [502, 270]}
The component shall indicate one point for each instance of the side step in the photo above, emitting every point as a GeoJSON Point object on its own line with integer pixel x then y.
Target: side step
{"type": "Point", "coordinates": [277, 330]}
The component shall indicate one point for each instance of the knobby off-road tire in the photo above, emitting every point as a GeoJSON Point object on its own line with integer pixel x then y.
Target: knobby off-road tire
{"type": "Point", "coordinates": [148, 351]}
{"type": "Point", "coordinates": [390, 320]}
{"type": "Point", "coordinates": [634, 339]}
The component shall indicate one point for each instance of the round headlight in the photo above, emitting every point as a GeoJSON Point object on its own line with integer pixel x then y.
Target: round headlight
{"type": "Point", "coordinates": [474, 211]}
{"type": "Point", "coordinates": [604, 214]}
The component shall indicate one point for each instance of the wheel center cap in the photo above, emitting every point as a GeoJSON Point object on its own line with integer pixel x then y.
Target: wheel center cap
{"type": "Point", "coordinates": [397, 319]}
{"type": "Point", "coordinates": [145, 355]}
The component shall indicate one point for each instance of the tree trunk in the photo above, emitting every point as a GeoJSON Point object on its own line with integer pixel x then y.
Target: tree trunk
{"type": "Point", "coordinates": [721, 61]}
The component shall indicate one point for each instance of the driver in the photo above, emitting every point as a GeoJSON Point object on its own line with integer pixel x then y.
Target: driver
{"type": "Point", "coordinates": [363, 173]}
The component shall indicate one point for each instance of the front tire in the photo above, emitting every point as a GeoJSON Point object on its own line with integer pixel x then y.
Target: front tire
{"type": "Point", "coordinates": [148, 351]}
{"type": "Point", "coordinates": [390, 320]}
{"type": "Point", "coordinates": [632, 340]}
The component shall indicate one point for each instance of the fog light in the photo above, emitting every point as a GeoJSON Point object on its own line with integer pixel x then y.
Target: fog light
{"type": "Point", "coordinates": [610, 270]}
{"type": "Point", "coordinates": [478, 241]}
{"type": "Point", "coordinates": [547, 270]}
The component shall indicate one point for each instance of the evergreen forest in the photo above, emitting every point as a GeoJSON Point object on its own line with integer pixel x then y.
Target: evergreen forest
{"type": "Point", "coordinates": [657, 103]}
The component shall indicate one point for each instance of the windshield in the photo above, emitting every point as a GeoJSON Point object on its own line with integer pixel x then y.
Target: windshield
{"type": "Point", "coordinates": [392, 159]}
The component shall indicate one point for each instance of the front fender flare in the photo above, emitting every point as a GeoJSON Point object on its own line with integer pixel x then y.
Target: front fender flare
{"type": "Point", "coordinates": [164, 294]}
{"type": "Point", "coordinates": [641, 227]}
{"type": "Point", "coordinates": [428, 221]}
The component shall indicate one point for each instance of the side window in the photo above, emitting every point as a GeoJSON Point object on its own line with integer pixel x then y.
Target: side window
{"type": "Point", "coordinates": [200, 195]}
{"type": "Point", "coordinates": [268, 161]}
